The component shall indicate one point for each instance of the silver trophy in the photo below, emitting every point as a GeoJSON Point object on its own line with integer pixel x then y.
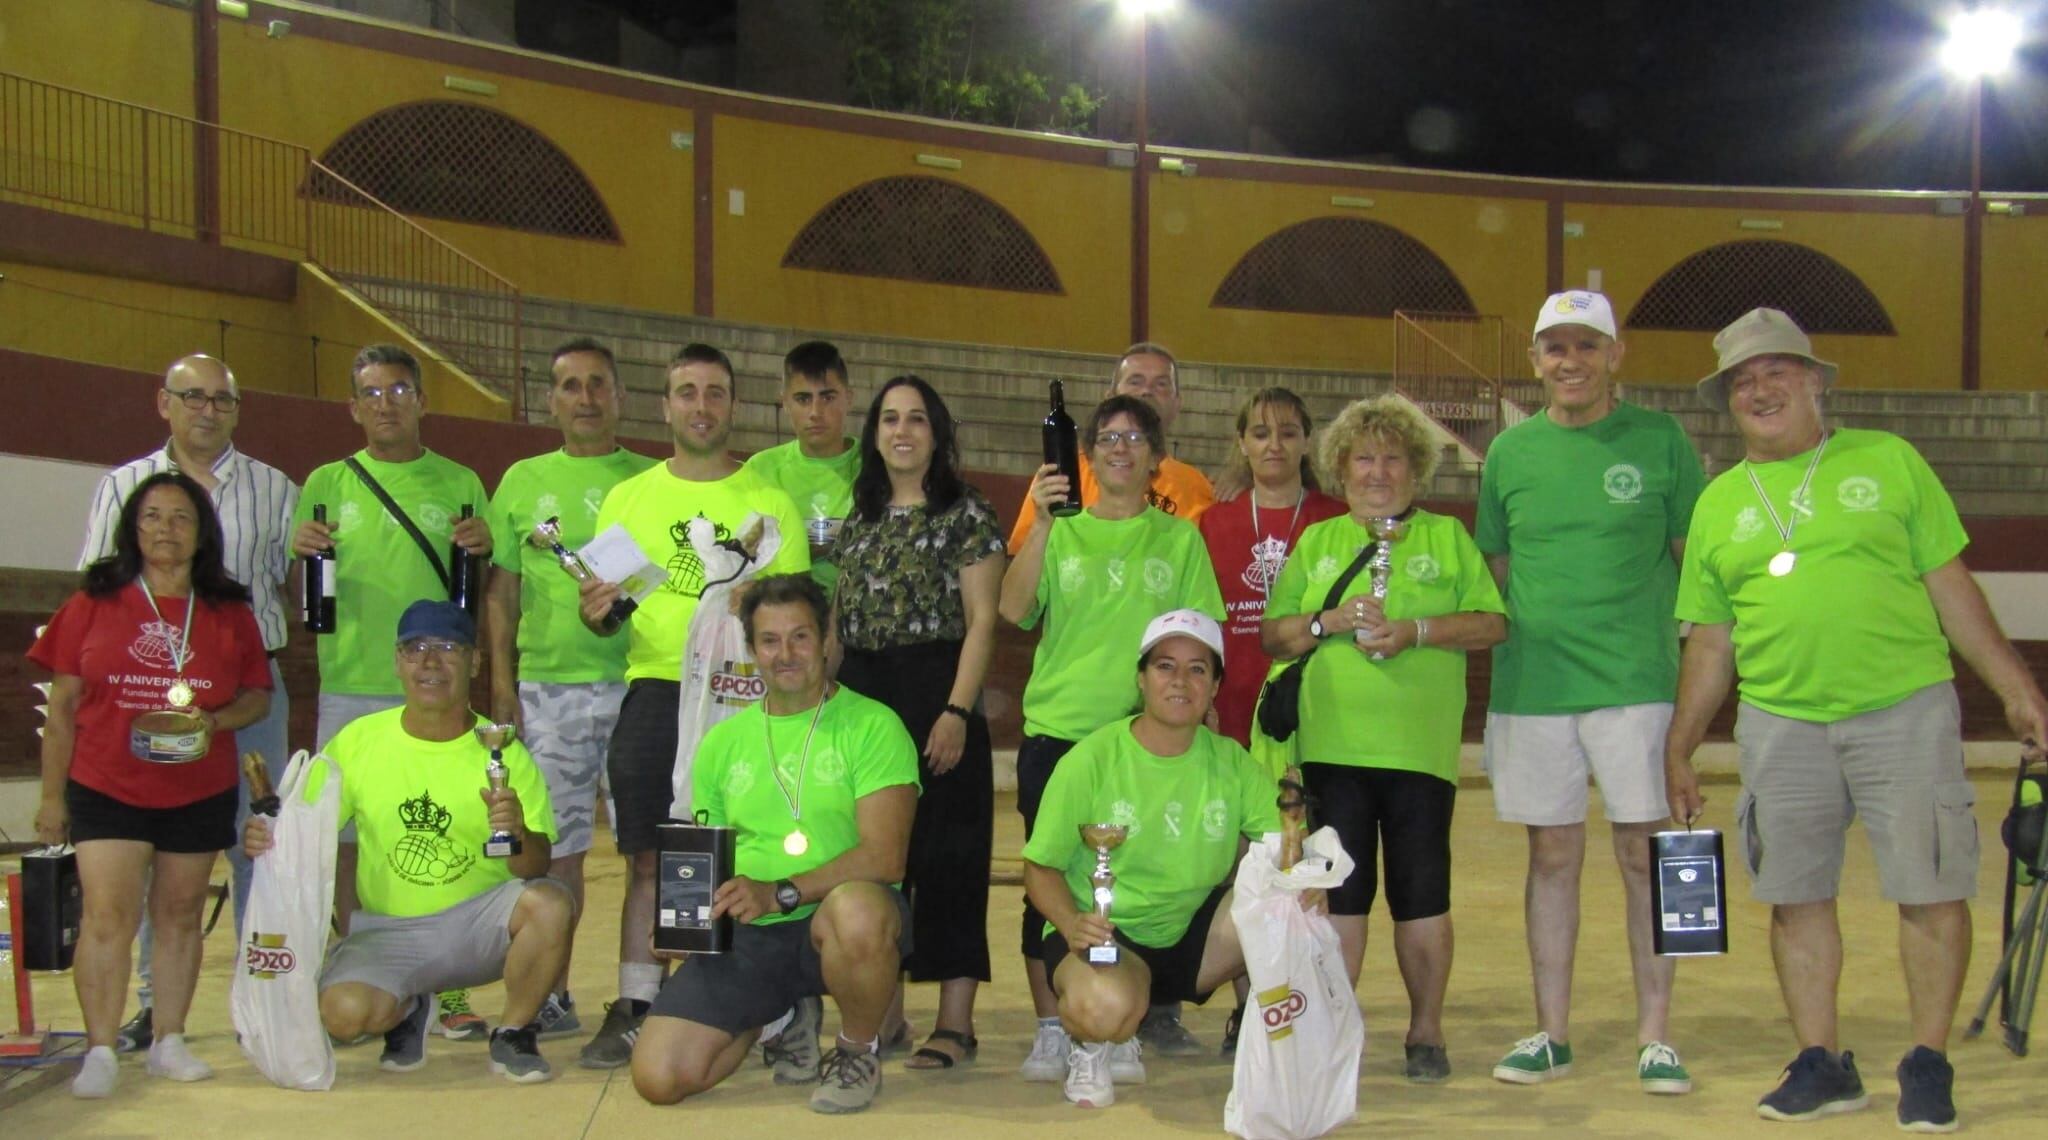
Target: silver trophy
{"type": "Point", "coordinates": [1380, 567]}
{"type": "Point", "coordinates": [1104, 838]}
{"type": "Point", "coordinates": [548, 536]}
{"type": "Point", "coordinates": [495, 737]}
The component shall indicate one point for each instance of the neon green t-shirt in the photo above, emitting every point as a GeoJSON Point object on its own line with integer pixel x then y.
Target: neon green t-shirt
{"type": "Point", "coordinates": [654, 506]}
{"type": "Point", "coordinates": [860, 747]}
{"type": "Point", "coordinates": [1102, 582]}
{"type": "Point", "coordinates": [1408, 711]}
{"type": "Point", "coordinates": [554, 644]}
{"type": "Point", "coordinates": [1185, 815]}
{"type": "Point", "coordinates": [420, 822]}
{"type": "Point", "coordinates": [378, 569]}
{"type": "Point", "coordinates": [822, 490]}
{"type": "Point", "coordinates": [1587, 517]}
{"type": "Point", "coordinates": [1851, 629]}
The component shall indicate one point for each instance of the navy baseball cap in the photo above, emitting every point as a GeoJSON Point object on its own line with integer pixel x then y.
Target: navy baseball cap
{"type": "Point", "coordinates": [431, 618]}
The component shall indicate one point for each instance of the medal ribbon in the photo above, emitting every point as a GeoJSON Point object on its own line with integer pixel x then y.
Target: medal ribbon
{"type": "Point", "coordinates": [803, 764]}
{"type": "Point", "coordinates": [179, 653]}
{"type": "Point", "coordinates": [1784, 528]}
{"type": "Point", "coordinates": [1259, 534]}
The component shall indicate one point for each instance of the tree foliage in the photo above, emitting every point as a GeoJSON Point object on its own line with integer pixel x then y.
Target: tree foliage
{"type": "Point", "coordinates": [920, 57]}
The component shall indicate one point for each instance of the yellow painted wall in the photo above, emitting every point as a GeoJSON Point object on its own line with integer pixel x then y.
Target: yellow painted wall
{"type": "Point", "coordinates": [1912, 263]}
{"type": "Point", "coordinates": [2015, 317]}
{"type": "Point", "coordinates": [123, 49]}
{"type": "Point", "coordinates": [1080, 215]}
{"type": "Point", "coordinates": [309, 91]}
{"type": "Point", "coordinates": [1202, 226]}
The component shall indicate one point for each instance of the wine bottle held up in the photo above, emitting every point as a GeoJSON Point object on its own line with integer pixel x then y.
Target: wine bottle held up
{"type": "Point", "coordinates": [317, 583]}
{"type": "Point", "coordinates": [1063, 450]}
{"type": "Point", "coordinates": [465, 575]}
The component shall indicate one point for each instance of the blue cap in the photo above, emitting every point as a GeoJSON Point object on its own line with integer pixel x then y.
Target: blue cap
{"type": "Point", "coordinates": [429, 617]}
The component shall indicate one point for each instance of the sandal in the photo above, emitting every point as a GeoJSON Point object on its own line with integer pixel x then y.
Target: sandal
{"type": "Point", "coordinates": [939, 1059]}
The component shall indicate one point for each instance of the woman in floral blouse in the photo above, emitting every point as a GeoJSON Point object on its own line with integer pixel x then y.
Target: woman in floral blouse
{"type": "Point", "coordinates": [920, 565]}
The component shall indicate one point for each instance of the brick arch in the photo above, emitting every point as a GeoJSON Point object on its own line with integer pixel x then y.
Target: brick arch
{"type": "Point", "coordinates": [1342, 266]}
{"type": "Point", "coordinates": [465, 163]}
{"type": "Point", "coordinates": [918, 228]}
{"type": "Point", "coordinates": [1708, 290]}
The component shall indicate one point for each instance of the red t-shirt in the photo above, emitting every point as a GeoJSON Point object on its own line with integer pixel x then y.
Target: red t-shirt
{"type": "Point", "coordinates": [1247, 565]}
{"type": "Point", "coordinates": [122, 653]}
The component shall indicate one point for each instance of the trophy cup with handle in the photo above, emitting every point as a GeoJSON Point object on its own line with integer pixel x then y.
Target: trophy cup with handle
{"type": "Point", "coordinates": [1380, 567]}
{"type": "Point", "coordinates": [548, 535]}
{"type": "Point", "coordinates": [1104, 838]}
{"type": "Point", "coordinates": [495, 737]}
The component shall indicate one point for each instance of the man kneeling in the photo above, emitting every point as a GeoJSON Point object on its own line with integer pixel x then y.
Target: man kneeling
{"type": "Point", "coordinates": [820, 784]}
{"type": "Point", "coordinates": [438, 913]}
{"type": "Point", "coordinates": [1187, 799]}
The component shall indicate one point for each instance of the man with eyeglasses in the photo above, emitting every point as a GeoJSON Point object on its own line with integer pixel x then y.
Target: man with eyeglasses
{"type": "Point", "coordinates": [200, 402]}
{"type": "Point", "coordinates": [380, 565]}
{"type": "Point", "coordinates": [439, 911]}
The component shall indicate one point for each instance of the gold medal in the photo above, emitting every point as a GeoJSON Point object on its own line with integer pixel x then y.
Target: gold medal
{"type": "Point", "coordinates": [179, 694]}
{"type": "Point", "coordinates": [795, 843]}
{"type": "Point", "coordinates": [1782, 563]}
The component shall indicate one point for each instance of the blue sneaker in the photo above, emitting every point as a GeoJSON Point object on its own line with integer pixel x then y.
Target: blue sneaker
{"type": "Point", "coordinates": [1815, 1085]}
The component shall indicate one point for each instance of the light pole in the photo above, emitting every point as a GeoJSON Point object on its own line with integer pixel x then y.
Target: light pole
{"type": "Point", "coordinates": [1141, 11]}
{"type": "Point", "coordinates": [1980, 46]}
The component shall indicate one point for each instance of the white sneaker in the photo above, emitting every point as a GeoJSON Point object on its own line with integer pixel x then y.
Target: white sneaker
{"type": "Point", "coordinates": [97, 1074]}
{"type": "Point", "coordinates": [1048, 1059]}
{"type": "Point", "coordinates": [1127, 1062]}
{"type": "Point", "coordinates": [1088, 1070]}
{"type": "Point", "coordinates": [168, 1057]}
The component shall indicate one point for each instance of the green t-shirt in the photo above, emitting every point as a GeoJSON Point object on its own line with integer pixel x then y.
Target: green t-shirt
{"type": "Point", "coordinates": [654, 506]}
{"type": "Point", "coordinates": [1185, 813]}
{"type": "Point", "coordinates": [1851, 629]}
{"type": "Point", "coordinates": [1587, 517]}
{"type": "Point", "coordinates": [378, 569]}
{"type": "Point", "coordinates": [554, 644]}
{"type": "Point", "coordinates": [1102, 582]}
{"type": "Point", "coordinates": [420, 822]}
{"type": "Point", "coordinates": [822, 490]}
{"type": "Point", "coordinates": [1408, 711]}
{"type": "Point", "coordinates": [860, 747]}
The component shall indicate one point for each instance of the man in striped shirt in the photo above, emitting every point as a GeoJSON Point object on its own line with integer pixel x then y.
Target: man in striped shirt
{"type": "Point", "coordinates": [255, 501]}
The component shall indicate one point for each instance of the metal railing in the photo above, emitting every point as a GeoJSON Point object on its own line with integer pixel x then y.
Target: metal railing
{"type": "Point", "coordinates": [112, 161]}
{"type": "Point", "coordinates": [1451, 365]}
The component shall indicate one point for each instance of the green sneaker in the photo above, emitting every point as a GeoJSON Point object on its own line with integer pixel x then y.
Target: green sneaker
{"type": "Point", "coordinates": [1662, 1074]}
{"type": "Point", "coordinates": [1534, 1060]}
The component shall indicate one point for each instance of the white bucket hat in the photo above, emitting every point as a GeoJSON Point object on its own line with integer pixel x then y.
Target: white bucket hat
{"type": "Point", "coordinates": [1758, 332]}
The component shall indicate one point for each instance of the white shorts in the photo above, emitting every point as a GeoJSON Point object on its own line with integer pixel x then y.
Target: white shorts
{"type": "Point", "coordinates": [1539, 764]}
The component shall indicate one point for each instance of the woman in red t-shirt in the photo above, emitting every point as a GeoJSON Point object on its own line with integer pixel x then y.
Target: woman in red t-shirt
{"type": "Point", "coordinates": [158, 623]}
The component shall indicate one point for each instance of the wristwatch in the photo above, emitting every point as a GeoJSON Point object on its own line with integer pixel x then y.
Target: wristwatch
{"type": "Point", "coordinates": [1315, 625]}
{"type": "Point", "coordinates": [787, 896]}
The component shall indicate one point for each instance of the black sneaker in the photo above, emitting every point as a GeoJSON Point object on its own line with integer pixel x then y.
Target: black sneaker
{"type": "Point", "coordinates": [1231, 1026]}
{"type": "Point", "coordinates": [405, 1044]}
{"type": "Point", "coordinates": [1815, 1085]}
{"type": "Point", "coordinates": [516, 1057]}
{"type": "Point", "coordinates": [613, 1045]}
{"type": "Point", "coordinates": [1927, 1085]}
{"type": "Point", "coordinates": [137, 1035]}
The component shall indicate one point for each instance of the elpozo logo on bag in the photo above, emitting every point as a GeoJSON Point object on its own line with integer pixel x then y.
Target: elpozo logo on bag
{"type": "Point", "coordinates": [737, 683]}
{"type": "Point", "coordinates": [1278, 1007]}
{"type": "Point", "coordinates": [267, 956]}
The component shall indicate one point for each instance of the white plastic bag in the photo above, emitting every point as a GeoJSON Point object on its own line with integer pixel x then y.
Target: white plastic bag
{"type": "Point", "coordinates": [275, 995]}
{"type": "Point", "coordinates": [719, 676]}
{"type": "Point", "coordinates": [1302, 1037]}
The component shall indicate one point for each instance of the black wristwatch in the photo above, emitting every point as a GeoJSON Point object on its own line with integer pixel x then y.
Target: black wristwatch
{"type": "Point", "coordinates": [787, 896]}
{"type": "Point", "coordinates": [1315, 625]}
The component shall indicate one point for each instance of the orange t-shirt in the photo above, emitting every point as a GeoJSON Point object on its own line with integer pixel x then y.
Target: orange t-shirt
{"type": "Point", "coordinates": [1177, 488]}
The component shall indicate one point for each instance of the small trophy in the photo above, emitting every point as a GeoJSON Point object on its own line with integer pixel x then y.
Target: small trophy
{"type": "Point", "coordinates": [495, 737]}
{"type": "Point", "coordinates": [1104, 838]}
{"type": "Point", "coordinates": [1380, 567]}
{"type": "Point", "coordinates": [549, 535]}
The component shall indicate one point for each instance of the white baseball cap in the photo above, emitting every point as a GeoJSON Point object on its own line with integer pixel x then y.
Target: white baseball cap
{"type": "Point", "coordinates": [1183, 623]}
{"type": "Point", "coordinates": [1576, 307]}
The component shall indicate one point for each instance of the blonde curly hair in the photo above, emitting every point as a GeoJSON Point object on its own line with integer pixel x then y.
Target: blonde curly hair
{"type": "Point", "coordinates": [1387, 418]}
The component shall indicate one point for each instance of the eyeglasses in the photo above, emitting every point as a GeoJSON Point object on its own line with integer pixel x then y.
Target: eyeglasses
{"type": "Point", "coordinates": [1107, 439]}
{"type": "Point", "coordinates": [419, 647]}
{"type": "Point", "coordinates": [197, 400]}
{"type": "Point", "coordinates": [400, 391]}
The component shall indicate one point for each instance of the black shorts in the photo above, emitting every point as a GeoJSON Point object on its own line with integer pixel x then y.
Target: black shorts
{"type": "Point", "coordinates": [1037, 756]}
{"type": "Point", "coordinates": [1406, 813]}
{"type": "Point", "coordinates": [765, 972]}
{"type": "Point", "coordinates": [200, 827]}
{"type": "Point", "coordinates": [1175, 968]}
{"type": "Point", "coordinates": [640, 762]}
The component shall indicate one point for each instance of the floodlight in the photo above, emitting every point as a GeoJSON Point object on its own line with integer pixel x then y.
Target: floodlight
{"type": "Point", "coordinates": [1980, 43]}
{"type": "Point", "coordinates": [1145, 8]}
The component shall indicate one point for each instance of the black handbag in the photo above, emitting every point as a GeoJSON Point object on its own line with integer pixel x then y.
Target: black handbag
{"type": "Point", "coordinates": [1280, 700]}
{"type": "Point", "coordinates": [52, 907]}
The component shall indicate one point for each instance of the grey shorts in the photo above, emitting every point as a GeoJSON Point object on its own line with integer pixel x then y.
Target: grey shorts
{"type": "Point", "coordinates": [336, 711]}
{"type": "Point", "coordinates": [1900, 768]}
{"type": "Point", "coordinates": [567, 728]}
{"type": "Point", "coordinates": [455, 948]}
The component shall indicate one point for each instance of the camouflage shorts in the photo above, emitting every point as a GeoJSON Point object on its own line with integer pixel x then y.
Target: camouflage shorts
{"type": "Point", "coordinates": [567, 728]}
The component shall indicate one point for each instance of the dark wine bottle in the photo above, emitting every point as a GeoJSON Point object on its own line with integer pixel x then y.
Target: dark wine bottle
{"type": "Point", "coordinates": [316, 584]}
{"type": "Point", "coordinates": [1063, 450]}
{"type": "Point", "coordinates": [466, 576]}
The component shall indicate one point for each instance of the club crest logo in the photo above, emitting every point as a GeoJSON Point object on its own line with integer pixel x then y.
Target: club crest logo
{"type": "Point", "coordinates": [1158, 577]}
{"type": "Point", "coordinates": [152, 646]}
{"type": "Point", "coordinates": [1114, 568]}
{"type": "Point", "coordinates": [1801, 502]}
{"type": "Point", "coordinates": [1623, 482]}
{"type": "Point", "coordinates": [1124, 813]}
{"type": "Point", "coordinates": [434, 517]}
{"type": "Point", "coordinates": [829, 766]}
{"type": "Point", "coordinates": [424, 856]}
{"type": "Point", "coordinates": [547, 506]}
{"type": "Point", "coordinates": [1326, 568]}
{"type": "Point", "coordinates": [739, 780]}
{"type": "Point", "coordinates": [1858, 493]}
{"type": "Point", "coordinates": [351, 515]}
{"type": "Point", "coordinates": [1423, 568]}
{"type": "Point", "coordinates": [1172, 818]}
{"type": "Point", "coordinates": [1269, 555]}
{"type": "Point", "coordinates": [593, 500]}
{"type": "Point", "coordinates": [1749, 522]}
{"type": "Point", "coordinates": [1215, 819]}
{"type": "Point", "coordinates": [1072, 576]}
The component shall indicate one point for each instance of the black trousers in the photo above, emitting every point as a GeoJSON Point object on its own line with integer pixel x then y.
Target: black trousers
{"type": "Point", "coordinates": [946, 877]}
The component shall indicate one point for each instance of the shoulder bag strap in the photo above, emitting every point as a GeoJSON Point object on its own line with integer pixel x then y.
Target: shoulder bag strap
{"type": "Point", "coordinates": [405, 520]}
